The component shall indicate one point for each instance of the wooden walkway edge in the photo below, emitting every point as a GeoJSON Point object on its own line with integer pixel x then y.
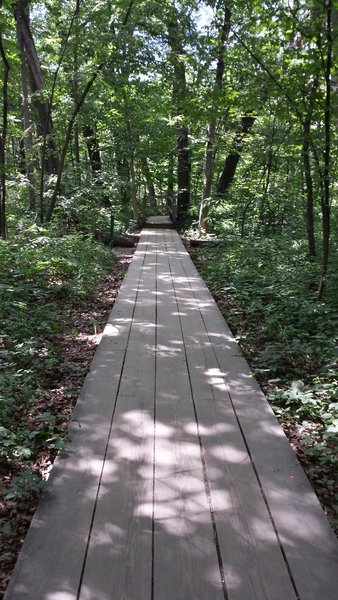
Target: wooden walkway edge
{"type": "Point", "coordinates": [177, 482]}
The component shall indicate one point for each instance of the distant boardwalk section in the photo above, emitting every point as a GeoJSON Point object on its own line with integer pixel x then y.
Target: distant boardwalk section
{"type": "Point", "coordinates": [177, 483]}
{"type": "Point", "coordinates": [162, 222]}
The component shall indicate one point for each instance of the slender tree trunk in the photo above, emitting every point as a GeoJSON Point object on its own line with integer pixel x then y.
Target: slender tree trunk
{"type": "Point", "coordinates": [182, 132]}
{"type": "Point", "coordinates": [123, 172]}
{"type": "Point", "coordinates": [171, 200]}
{"type": "Point", "coordinates": [209, 150]}
{"type": "Point", "coordinates": [93, 147]}
{"type": "Point", "coordinates": [309, 188]}
{"type": "Point", "coordinates": [308, 172]}
{"type": "Point", "coordinates": [326, 204]}
{"type": "Point", "coordinates": [264, 204]}
{"type": "Point", "coordinates": [132, 170]}
{"type": "Point", "coordinates": [183, 173]}
{"type": "Point", "coordinates": [71, 122]}
{"type": "Point", "coordinates": [77, 145]}
{"type": "Point", "coordinates": [3, 137]}
{"type": "Point", "coordinates": [27, 132]}
{"type": "Point", "coordinates": [44, 125]}
{"type": "Point", "coordinates": [133, 186]}
{"type": "Point", "coordinates": [149, 182]}
{"type": "Point", "coordinates": [75, 91]}
{"type": "Point", "coordinates": [232, 159]}
{"type": "Point", "coordinates": [243, 216]}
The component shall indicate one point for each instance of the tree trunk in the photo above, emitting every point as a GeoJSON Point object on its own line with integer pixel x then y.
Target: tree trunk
{"type": "Point", "coordinates": [44, 125]}
{"type": "Point", "coordinates": [27, 138]}
{"type": "Point", "coordinates": [171, 200]}
{"type": "Point", "coordinates": [69, 131]}
{"type": "Point", "coordinates": [307, 171]}
{"type": "Point", "coordinates": [3, 136]}
{"type": "Point", "coordinates": [309, 188]}
{"type": "Point", "coordinates": [123, 172]}
{"type": "Point", "coordinates": [132, 170]}
{"type": "Point", "coordinates": [182, 132]}
{"type": "Point", "coordinates": [133, 187]}
{"type": "Point", "coordinates": [149, 182]}
{"type": "Point", "coordinates": [77, 153]}
{"type": "Point", "coordinates": [183, 174]}
{"type": "Point", "coordinates": [209, 150]}
{"type": "Point", "coordinates": [75, 93]}
{"type": "Point", "coordinates": [93, 147]}
{"type": "Point", "coordinates": [232, 159]}
{"type": "Point", "coordinates": [326, 204]}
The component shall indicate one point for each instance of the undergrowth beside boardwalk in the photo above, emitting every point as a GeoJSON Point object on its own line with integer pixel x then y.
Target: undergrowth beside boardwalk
{"type": "Point", "coordinates": [266, 289]}
{"type": "Point", "coordinates": [56, 292]}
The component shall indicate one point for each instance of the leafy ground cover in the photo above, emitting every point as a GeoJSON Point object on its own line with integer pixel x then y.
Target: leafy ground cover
{"type": "Point", "coordinates": [267, 291]}
{"type": "Point", "coordinates": [55, 296]}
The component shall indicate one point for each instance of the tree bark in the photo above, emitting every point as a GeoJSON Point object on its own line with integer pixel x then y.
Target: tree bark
{"type": "Point", "coordinates": [326, 203]}
{"type": "Point", "coordinates": [170, 192]}
{"type": "Point", "coordinates": [77, 145]}
{"type": "Point", "coordinates": [123, 172]}
{"type": "Point", "coordinates": [209, 150]}
{"type": "Point", "coordinates": [71, 122]}
{"type": "Point", "coordinates": [183, 174]}
{"type": "Point", "coordinates": [93, 147]}
{"type": "Point", "coordinates": [149, 181]}
{"type": "Point", "coordinates": [182, 132]}
{"type": "Point", "coordinates": [308, 173]}
{"type": "Point", "coordinates": [44, 125]}
{"type": "Point", "coordinates": [3, 136]}
{"type": "Point", "coordinates": [132, 170]}
{"type": "Point", "coordinates": [232, 159]}
{"type": "Point", "coordinates": [27, 138]}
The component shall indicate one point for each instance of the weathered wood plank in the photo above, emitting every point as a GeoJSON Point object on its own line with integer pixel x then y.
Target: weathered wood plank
{"type": "Point", "coordinates": [245, 533]}
{"type": "Point", "coordinates": [119, 559]}
{"type": "Point", "coordinates": [185, 556]}
{"type": "Point", "coordinates": [308, 543]}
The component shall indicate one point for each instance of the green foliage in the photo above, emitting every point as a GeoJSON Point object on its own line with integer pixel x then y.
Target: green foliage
{"type": "Point", "coordinates": [23, 485]}
{"type": "Point", "coordinates": [40, 270]}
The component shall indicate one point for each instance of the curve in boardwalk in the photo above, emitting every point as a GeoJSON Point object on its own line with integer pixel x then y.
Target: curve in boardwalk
{"type": "Point", "coordinates": [178, 482]}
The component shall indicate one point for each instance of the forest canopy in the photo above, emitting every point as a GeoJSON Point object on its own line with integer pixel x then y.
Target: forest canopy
{"type": "Point", "coordinates": [222, 111]}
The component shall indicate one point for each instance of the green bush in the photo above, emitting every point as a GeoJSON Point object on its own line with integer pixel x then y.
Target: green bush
{"type": "Point", "coordinates": [43, 274]}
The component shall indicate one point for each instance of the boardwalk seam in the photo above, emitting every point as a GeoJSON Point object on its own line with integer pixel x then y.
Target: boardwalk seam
{"type": "Point", "coordinates": [108, 437]}
{"type": "Point", "coordinates": [293, 583]}
{"type": "Point", "coordinates": [154, 442]}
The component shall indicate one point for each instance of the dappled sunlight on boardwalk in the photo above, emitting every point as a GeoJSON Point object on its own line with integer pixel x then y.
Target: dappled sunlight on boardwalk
{"type": "Point", "coordinates": [177, 482]}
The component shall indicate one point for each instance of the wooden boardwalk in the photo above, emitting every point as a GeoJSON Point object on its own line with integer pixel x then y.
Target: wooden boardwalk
{"type": "Point", "coordinates": [160, 222]}
{"type": "Point", "coordinates": [177, 483]}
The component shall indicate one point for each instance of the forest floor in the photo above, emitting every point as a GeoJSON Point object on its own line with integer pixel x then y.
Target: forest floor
{"type": "Point", "coordinates": [76, 342]}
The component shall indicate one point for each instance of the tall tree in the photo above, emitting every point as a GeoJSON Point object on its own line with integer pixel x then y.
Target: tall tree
{"type": "Point", "coordinates": [27, 137]}
{"type": "Point", "coordinates": [44, 126]}
{"type": "Point", "coordinates": [3, 137]}
{"type": "Point", "coordinates": [209, 150]}
{"type": "Point", "coordinates": [93, 147]}
{"type": "Point", "coordinates": [234, 155]}
{"type": "Point", "coordinates": [326, 202]}
{"type": "Point", "coordinates": [175, 40]}
{"type": "Point", "coordinates": [306, 152]}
